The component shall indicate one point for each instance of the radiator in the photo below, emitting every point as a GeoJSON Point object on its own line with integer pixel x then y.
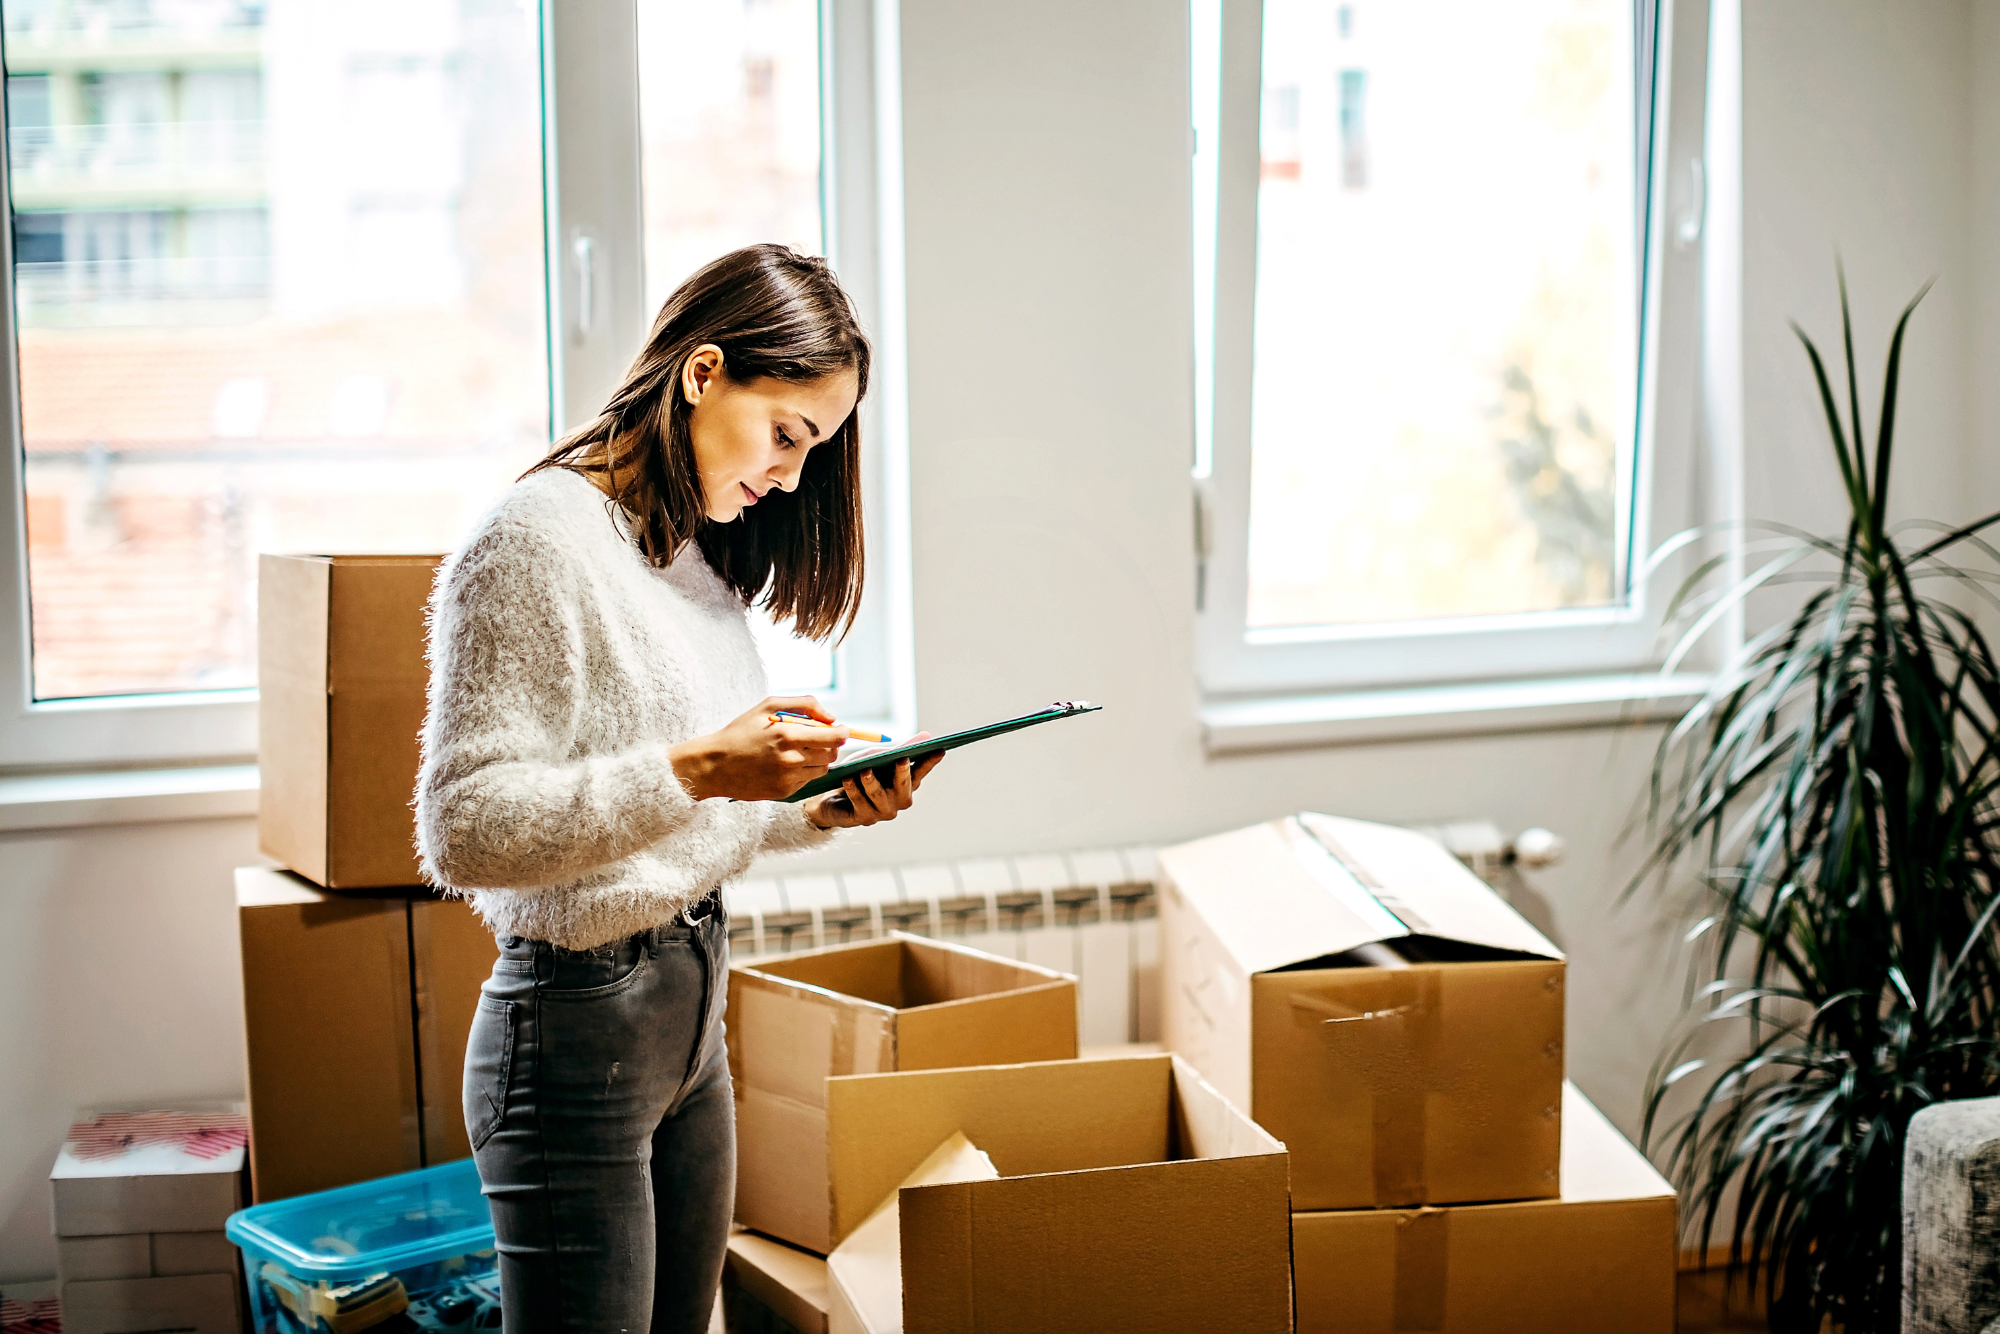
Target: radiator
{"type": "Point", "coordinates": [1092, 913]}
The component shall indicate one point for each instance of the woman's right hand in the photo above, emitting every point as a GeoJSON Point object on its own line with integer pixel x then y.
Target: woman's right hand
{"type": "Point", "coordinates": [755, 759]}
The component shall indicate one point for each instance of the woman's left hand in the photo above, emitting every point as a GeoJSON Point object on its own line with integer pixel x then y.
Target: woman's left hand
{"type": "Point", "coordinates": [864, 800]}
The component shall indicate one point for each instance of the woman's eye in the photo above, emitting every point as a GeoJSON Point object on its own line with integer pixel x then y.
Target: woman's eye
{"type": "Point", "coordinates": [784, 441]}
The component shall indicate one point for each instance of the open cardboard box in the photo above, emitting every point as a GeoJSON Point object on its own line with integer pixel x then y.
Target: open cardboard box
{"type": "Point", "coordinates": [1601, 1257]}
{"type": "Point", "coordinates": [1130, 1196]}
{"type": "Point", "coordinates": [341, 678]}
{"type": "Point", "coordinates": [1435, 1077]}
{"type": "Point", "coordinates": [901, 1003]}
{"type": "Point", "coordinates": [765, 1282]}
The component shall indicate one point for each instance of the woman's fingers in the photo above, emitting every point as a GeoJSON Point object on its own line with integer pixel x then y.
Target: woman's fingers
{"type": "Point", "coordinates": [864, 809]}
{"type": "Point", "coordinates": [805, 704]}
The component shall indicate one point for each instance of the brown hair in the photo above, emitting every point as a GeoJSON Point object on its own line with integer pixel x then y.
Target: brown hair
{"type": "Point", "coordinates": [776, 313]}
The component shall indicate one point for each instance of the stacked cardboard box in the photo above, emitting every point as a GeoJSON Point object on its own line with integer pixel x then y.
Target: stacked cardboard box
{"type": "Point", "coordinates": [1393, 1021]}
{"type": "Point", "coordinates": [359, 984]}
{"type": "Point", "coordinates": [912, 1110]}
{"type": "Point", "coordinates": [139, 1202]}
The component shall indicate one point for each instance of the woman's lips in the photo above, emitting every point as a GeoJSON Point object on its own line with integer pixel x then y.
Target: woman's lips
{"type": "Point", "coordinates": [749, 496]}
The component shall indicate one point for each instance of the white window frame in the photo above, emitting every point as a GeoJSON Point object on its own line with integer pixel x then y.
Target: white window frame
{"type": "Point", "coordinates": [1236, 663]}
{"type": "Point", "coordinates": [590, 81]}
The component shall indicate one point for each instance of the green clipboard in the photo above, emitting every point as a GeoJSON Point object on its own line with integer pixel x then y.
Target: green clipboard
{"type": "Point", "coordinates": [831, 780]}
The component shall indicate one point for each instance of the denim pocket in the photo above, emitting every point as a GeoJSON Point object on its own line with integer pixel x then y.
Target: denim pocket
{"type": "Point", "coordinates": [489, 1065]}
{"type": "Point", "coordinates": [570, 971]}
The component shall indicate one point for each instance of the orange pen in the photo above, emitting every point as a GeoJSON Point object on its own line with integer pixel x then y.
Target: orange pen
{"type": "Point", "coordinates": [853, 733]}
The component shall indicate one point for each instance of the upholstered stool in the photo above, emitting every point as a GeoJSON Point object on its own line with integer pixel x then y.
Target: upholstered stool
{"type": "Point", "coordinates": [1951, 1219]}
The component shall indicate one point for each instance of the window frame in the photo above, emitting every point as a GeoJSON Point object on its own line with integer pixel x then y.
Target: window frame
{"type": "Point", "coordinates": [592, 191]}
{"type": "Point", "coordinates": [1234, 662]}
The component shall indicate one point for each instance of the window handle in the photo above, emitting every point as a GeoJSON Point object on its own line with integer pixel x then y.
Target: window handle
{"type": "Point", "coordinates": [1687, 229]}
{"type": "Point", "coordinates": [584, 248]}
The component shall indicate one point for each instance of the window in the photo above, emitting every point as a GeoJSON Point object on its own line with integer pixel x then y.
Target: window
{"type": "Point", "coordinates": [1433, 429]}
{"type": "Point", "coordinates": [729, 129]}
{"type": "Point", "coordinates": [327, 277]}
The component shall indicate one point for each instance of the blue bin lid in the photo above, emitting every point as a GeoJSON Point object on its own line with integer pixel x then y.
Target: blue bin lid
{"type": "Point", "coordinates": [391, 1223]}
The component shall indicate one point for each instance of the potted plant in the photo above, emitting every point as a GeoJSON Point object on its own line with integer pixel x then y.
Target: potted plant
{"type": "Point", "coordinates": [1836, 789]}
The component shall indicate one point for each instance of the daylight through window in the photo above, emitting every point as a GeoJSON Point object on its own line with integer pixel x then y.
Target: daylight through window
{"type": "Point", "coordinates": [279, 286]}
{"type": "Point", "coordinates": [1446, 354]}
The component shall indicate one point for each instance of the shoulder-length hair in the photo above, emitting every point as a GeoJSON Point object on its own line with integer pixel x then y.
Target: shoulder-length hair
{"type": "Point", "coordinates": [775, 313]}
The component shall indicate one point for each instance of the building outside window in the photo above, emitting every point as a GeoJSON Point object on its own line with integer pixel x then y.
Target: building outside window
{"type": "Point", "coordinates": [281, 283]}
{"type": "Point", "coordinates": [1435, 424]}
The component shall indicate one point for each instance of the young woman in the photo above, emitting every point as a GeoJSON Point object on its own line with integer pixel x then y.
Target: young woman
{"type": "Point", "coordinates": [599, 757]}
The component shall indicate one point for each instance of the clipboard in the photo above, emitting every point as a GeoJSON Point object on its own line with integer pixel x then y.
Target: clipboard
{"type": "Point", "coordinates": [831, 780]}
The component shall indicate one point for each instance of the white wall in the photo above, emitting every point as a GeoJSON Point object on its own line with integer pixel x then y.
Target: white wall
{"type": "Point", "coordinates": [121, 981]}
{"type": "Point", "coordinates": [1046, 169]}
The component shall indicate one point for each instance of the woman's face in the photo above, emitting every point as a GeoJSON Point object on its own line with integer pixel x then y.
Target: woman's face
{"type": "Point", "coordinates": [753, 435]}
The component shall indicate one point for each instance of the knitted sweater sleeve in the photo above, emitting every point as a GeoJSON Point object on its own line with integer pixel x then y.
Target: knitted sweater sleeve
{"type": "Point", "coordinates": [790, 831]}
{"type": "Point", "coordinates": [501, 801]}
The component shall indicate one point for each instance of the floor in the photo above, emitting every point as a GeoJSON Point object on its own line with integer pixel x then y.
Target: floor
{"type": "Point", "coordinates": [1704, 1311]}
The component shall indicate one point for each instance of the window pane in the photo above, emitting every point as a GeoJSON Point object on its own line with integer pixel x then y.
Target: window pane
{"type": "Point", "coordinates": [279, 284]}
{"type": "Point", "coordinates": [729, 120]}
{"type": "Point", "coordinates": [1446, 329]}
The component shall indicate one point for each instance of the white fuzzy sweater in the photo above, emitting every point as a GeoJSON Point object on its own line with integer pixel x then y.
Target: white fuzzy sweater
{"type": "Point", "coordinates": [562, 668]}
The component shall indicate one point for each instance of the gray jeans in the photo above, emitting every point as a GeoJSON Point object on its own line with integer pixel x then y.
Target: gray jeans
{"type": "Point", "coordinates": [597, 1098]}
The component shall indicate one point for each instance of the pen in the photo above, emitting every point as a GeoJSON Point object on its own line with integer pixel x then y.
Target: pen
{"type": "Point", "coordinates": [854, 733]}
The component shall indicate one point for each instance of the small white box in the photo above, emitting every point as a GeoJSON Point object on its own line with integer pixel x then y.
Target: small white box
{"type": "Point", "coordinates": [138, 1172]}
{"type": "Point", "coordinates": [83, 1258]}
{"type": "Point", "coordinates": [189, 1304]}
{"type": "Point", "coordinates": [193, 1253]}
{"type": "Point", "coordinates": [151, 1188]}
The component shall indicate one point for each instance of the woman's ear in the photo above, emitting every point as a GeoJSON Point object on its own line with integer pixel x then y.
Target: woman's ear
{"type": "Point", "coordinates": [702, 368]}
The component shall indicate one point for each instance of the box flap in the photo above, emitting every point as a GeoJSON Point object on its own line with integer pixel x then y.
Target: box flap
{"type": "Point", "coordinates": [789, 1281]}
{"type": "Point", "coordinates": [1429, 891]}
{"type": "Point", "coordinates": [1308, 886]}
{"type": "Point", "coordinates": [1202, 1245]}
{"type": "Point", "coordinates": [292, 601]}
{"type": "Point", "coordinates": [1274, 896]}
{"type": "Point", "coordinates": [1206, 1126]}
{"type": "Point", "coordinates": [904, 972]}
{"type": "Point", "coordinates": [1598, 1162]}
{"type": "Point", "coordinates": [1055, 1116]}
{"type": "Point", "coordinates": [865, 1272]}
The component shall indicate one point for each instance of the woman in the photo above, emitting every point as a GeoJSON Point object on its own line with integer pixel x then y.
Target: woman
{"type": "Point", "coordinates": [598, 759]}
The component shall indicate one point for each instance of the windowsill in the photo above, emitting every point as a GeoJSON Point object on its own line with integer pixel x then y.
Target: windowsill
{"type": "Point", "coordinates": [126, 796]}
{"type": "Point", "coordinates": [1366, 717]}
{"type": "Point", "coordinates": [229, 791]}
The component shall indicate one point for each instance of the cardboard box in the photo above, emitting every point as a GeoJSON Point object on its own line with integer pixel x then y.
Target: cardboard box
{"type": "Point", "coordinates": [1601, 1258]}
{"type": "Point", "coordinates": [356, 1011]}
{"type": "Point", "coordinates": [1406, 1083]}
{"type": "Point", "coordinates": [901, 1003]}
{"type": "Point", "coordinates": [194, 1304]}
{"type": "Point", "coordinates": [769, 1287]}
{"type": "Point", "coordinates": [1131, 1196]}
{"type": "Point", "coordinates": [148, 1188]}
{"type": "Point", "coordinates": [341, 679]}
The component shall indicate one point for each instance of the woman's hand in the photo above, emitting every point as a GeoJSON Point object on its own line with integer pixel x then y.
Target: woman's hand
{"type": "Point", "coordinates": [865, 801]}
{"type": "Point", "coordinates": [755, 759]}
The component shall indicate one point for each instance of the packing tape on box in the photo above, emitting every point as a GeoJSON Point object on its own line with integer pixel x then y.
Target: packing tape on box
{"type": "Point", "coordinates": [1386, 1032]}
{"type": "Point", "coordinates": [1423, 1265]}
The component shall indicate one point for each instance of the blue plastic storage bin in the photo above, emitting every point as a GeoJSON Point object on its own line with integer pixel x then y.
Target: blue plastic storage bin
{"type": "Point", "coordinates": [405, 1253]}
